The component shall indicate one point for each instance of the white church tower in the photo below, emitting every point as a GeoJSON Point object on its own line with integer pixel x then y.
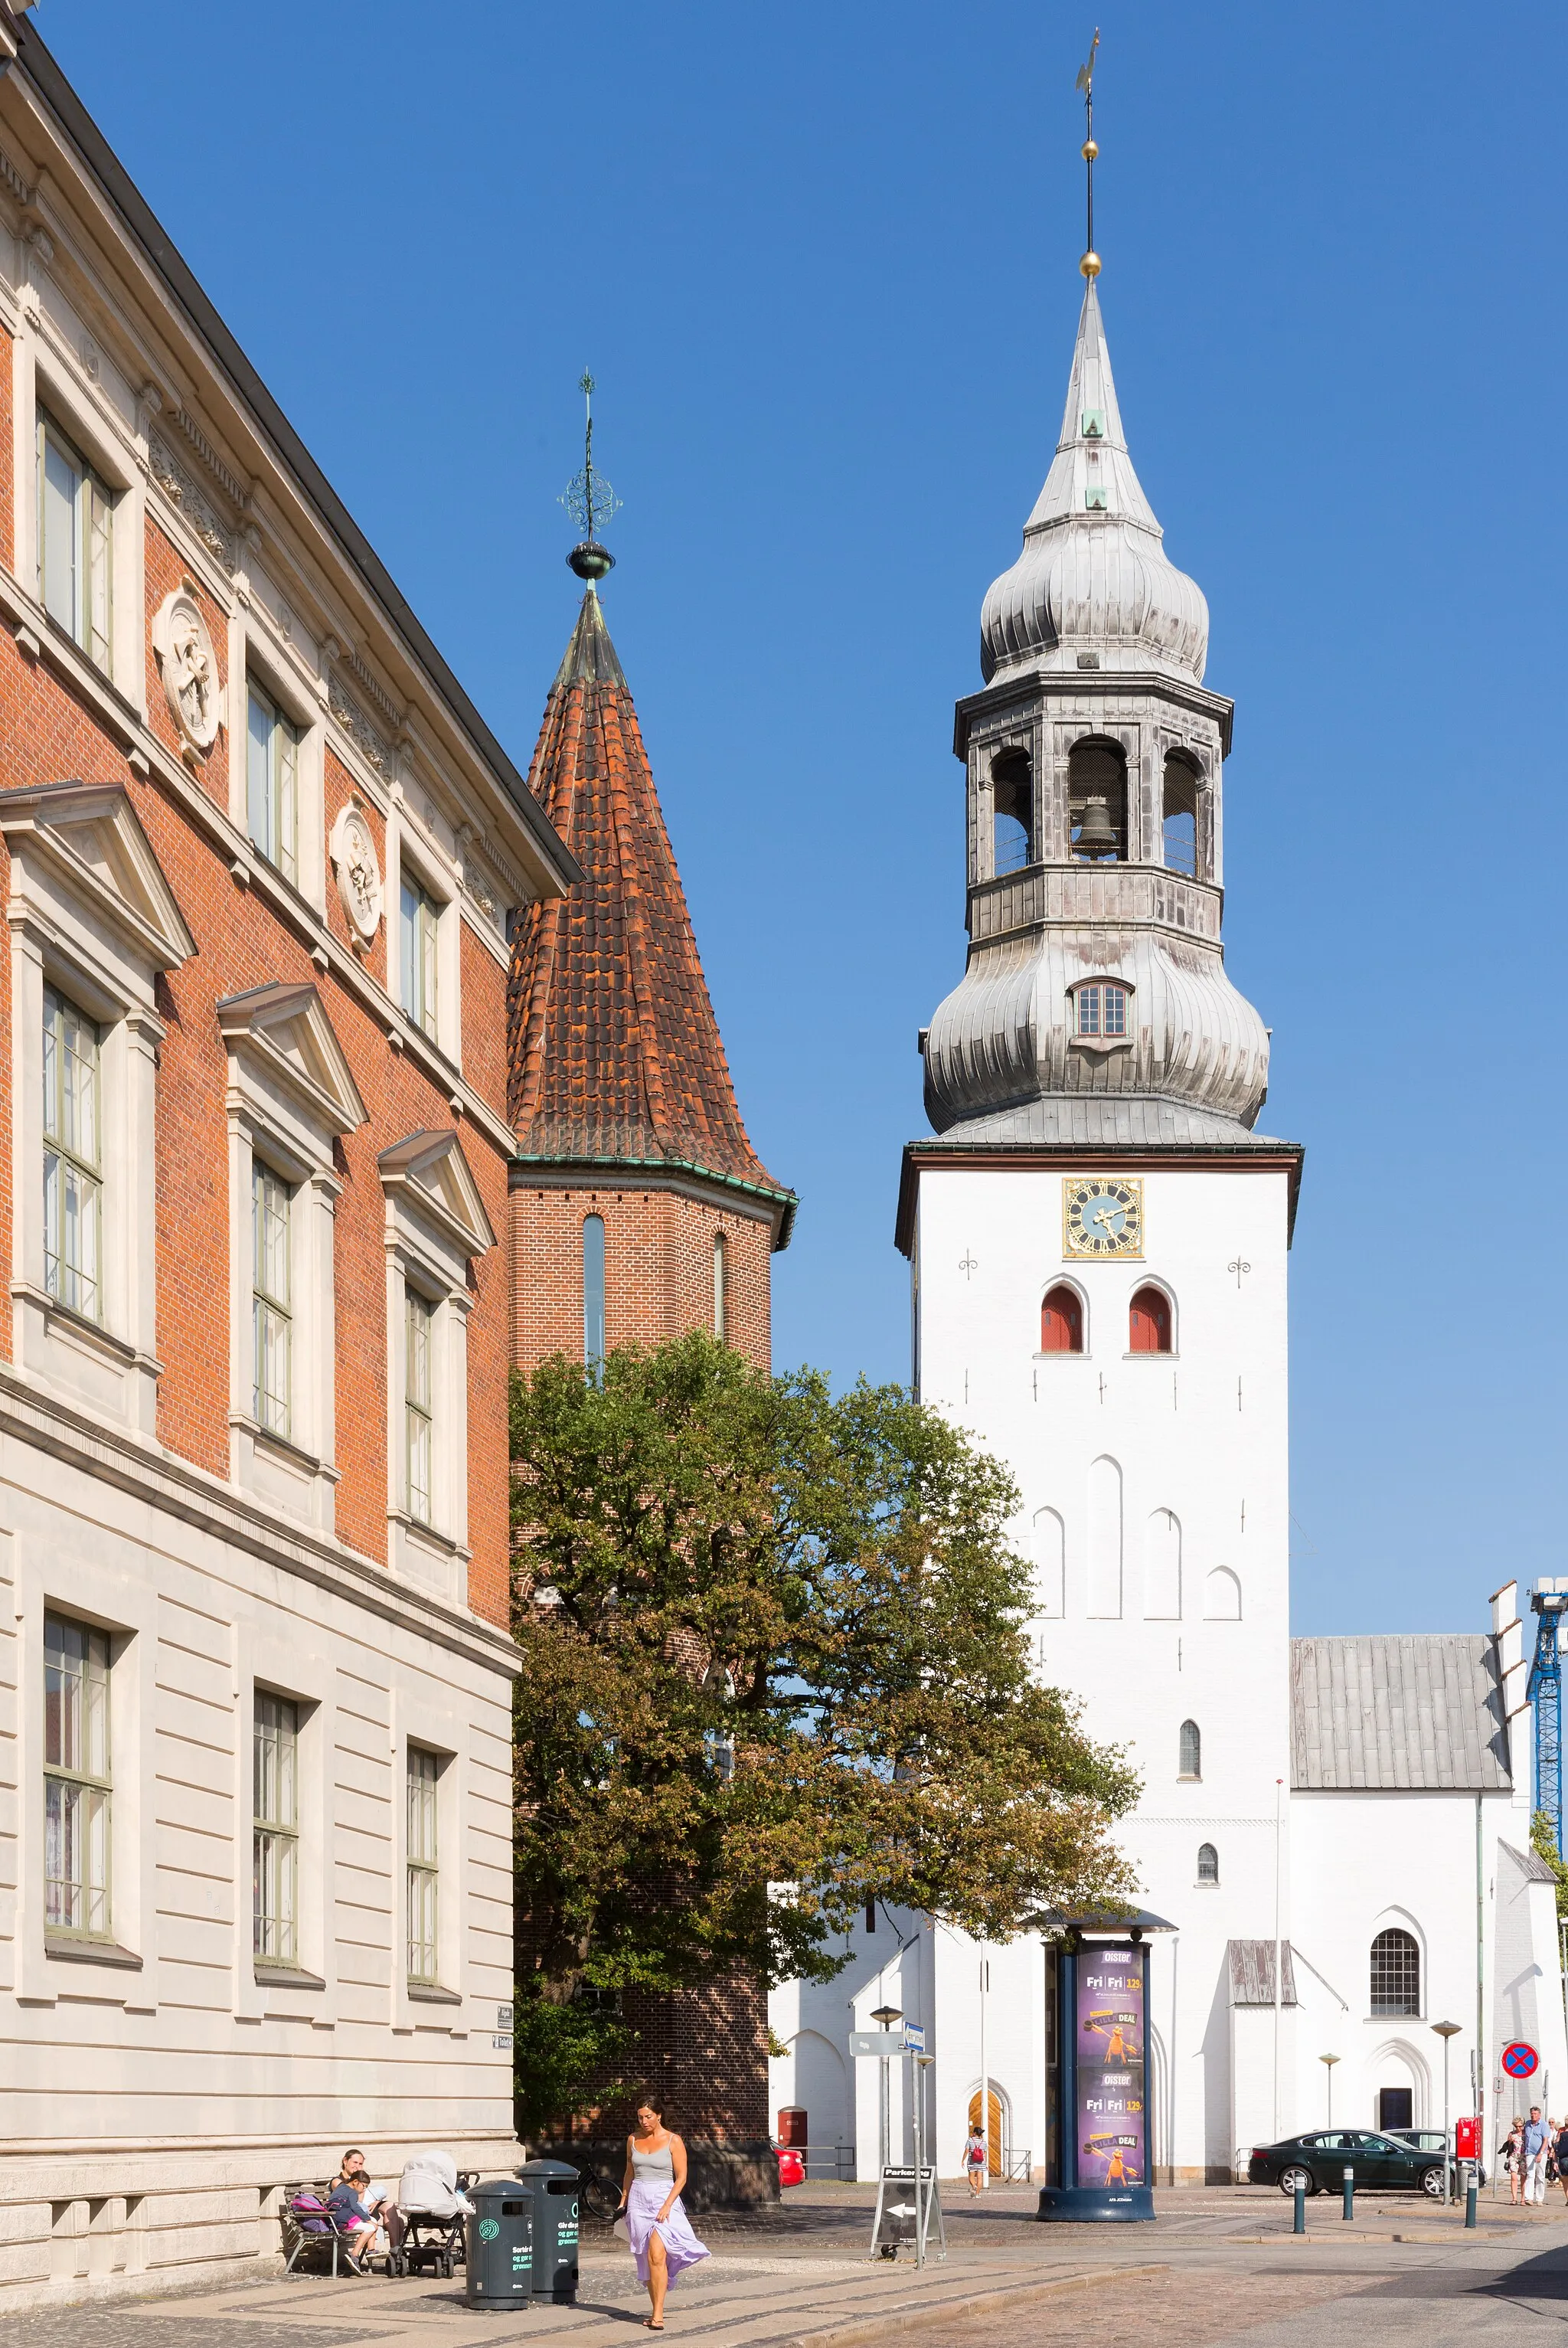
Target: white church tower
{"type": "Point", "coordinates": [1098, 1237]}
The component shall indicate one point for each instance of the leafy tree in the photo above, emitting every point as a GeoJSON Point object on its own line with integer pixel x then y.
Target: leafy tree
{"type": "Point", "coordinates": [1544, 1843]}
{"type": "Point", "coordinates": [774, 1664]}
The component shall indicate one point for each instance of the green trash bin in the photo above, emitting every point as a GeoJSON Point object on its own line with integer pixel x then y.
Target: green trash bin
{"type": "Point", "coordinates": [501, 2244]}
{"type": "Point", "coordinates": [554, 2185]}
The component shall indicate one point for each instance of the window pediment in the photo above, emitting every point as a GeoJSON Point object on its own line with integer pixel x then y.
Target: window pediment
{"type": "Point", "coordinates": [286, 1030]}
{"type": "Point", "coordinates": [91, 839]}
{"type": "Point", "coordinates": [429, 1172]}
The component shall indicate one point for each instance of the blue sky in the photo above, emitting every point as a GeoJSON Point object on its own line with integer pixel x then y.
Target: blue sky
{"type": "Point", "coordinates": [822, 262]}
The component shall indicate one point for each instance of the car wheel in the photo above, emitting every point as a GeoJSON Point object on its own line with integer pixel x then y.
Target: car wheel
{"type": "Point", "coordinates": [1289, 2179]}
{"type": "Point", "coordinates": [1432, 2184]}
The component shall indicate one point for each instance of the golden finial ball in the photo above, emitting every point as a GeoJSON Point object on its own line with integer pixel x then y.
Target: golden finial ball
{"type": "Point", "coordinates": [1090, 150]}
{"type": "Point", "coordinates": [1089, 265]}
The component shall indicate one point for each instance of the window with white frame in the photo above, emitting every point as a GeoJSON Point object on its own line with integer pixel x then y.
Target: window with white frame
{"type": "Point", "coordinates": [424, 1877]}
{"type": "Point", "coordinates": [78, 1791]}
{"type": "Point", "coordinates": [271, 1317]}
{"type": "Point", "coordinates": [418, 1401]}
{"type": "Point", "coordinates": [275, 1833]}
{"type": "Point", "coordinates": [272, 777]}
{"type": "Point", "coordinates": [75, 521]}
{"type": "Point", "coordinates": [73, 1177]}
{"type": "Point", "coordinates": [418, 919]}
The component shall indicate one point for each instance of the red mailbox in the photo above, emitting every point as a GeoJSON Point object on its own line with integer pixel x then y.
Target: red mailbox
{"type": "Point", "coordinates": [1467, 2139]}
{"type": "Point", "coordinates": [791, 2125]}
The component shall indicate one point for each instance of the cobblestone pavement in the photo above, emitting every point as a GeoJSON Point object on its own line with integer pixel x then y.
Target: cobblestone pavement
{"type": "Point", "coordinates": [1216, 2267]}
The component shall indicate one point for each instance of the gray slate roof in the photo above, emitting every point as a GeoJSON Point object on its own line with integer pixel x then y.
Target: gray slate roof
{"type": "Point", "coordinates": [1252, 1972]}
{"type": "Point", "coordinates": [1099, 1120]}
{"type": "Point", "coordinates": [1421, 1714]}
{"type": "Point", "coordinates": [1529, 1863]}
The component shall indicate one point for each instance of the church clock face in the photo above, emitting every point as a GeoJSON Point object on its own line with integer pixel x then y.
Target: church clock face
{"type": "Point", "coordinates": [1102, 1214]}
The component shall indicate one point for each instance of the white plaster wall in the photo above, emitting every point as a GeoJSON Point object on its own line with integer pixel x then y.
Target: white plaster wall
{"type": "Point", "coordinates": [150, 2117]}
{"type": "Point", "coordinates": [1202, 1437]}
{"type": "Point", "coordinates": [1366, 1860]}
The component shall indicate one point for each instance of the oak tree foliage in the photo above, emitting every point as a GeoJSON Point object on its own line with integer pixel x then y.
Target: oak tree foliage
{"type": "Point", "coordinates": [774, 1664]}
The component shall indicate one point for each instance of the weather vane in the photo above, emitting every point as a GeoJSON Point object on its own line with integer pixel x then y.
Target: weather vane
{"type": "Point", "coordinates": [1089, 265]}
{"type": "Point", "coordinates": [591, 502]}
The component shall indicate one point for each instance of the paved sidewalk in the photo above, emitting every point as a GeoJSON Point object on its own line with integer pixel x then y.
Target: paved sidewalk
{"type": "Point", "coordinates": [1215, 2264]}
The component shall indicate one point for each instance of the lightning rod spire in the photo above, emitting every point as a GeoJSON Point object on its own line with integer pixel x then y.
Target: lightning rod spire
{"type": "Point", "coordinates": [1089, 265]}
{"type": "Point", "coordinates": [591, 502]}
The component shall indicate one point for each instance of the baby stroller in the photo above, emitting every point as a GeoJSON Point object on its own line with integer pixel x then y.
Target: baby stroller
{"type": "Point", "coordinates": [432, 2197]}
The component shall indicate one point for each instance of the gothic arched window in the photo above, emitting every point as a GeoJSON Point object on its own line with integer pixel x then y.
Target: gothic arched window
{"type": "Point", "coordinates": [1013, 810]}
{"type": "Point", "coordinates": [1208, 1863]}
{"type": "Point", "coordinates": [1395, 1972]}
{"type": "Point", "coordinates": [1179, 841]}
{"type": "Point", "coordinates": [1062, 1322]}
{"type": "Point", "coordinates": [1097, 802]}
{"type": "Point", "coordinates": [1148, 1322]}
{"type": "Point", "coordinates": [1191, 1763]}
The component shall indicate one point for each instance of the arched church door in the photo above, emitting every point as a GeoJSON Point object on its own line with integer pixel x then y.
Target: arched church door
{"type": "Point", "coordinates": [995, 2138]}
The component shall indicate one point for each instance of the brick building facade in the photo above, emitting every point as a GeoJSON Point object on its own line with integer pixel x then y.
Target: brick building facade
{"type": "Point", "coordinates": [261, 854]}
{"type": "Point", "coordinates": [638, 1209]}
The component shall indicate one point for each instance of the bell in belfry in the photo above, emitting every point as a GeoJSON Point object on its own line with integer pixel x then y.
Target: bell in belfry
{"type": "Point", "coordinates": [1095, 836]}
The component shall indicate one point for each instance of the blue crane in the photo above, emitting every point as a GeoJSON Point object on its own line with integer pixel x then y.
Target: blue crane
{"type": "Point", "coordinates": [1545, 1693]}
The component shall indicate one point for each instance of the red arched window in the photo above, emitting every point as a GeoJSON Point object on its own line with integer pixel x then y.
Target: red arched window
{"type": "Point", "coordinates": [1149, 1329]}
{"type": "Point", "coordinates": [1062, 1322]}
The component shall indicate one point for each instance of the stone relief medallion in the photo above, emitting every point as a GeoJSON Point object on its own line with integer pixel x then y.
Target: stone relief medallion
{"type": "Point", "coordinates": [184, 656]}
{"type": "Point", "coordinates": [358, 873]}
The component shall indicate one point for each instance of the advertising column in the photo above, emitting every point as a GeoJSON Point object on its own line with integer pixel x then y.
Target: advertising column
{"type": "Point", "coordinates": [1102, 2001]}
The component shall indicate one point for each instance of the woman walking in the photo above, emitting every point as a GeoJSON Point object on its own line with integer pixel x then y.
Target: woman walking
{"type": "Point", "coordinates": [974, 2158]}
{"type": "Point", "coordinates": [662, 2239]}
{"type": "Point", "coordinates": [1512, 2151]}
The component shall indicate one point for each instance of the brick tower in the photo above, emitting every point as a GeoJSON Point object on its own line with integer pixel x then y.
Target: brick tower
{"type": "Point", "coordinates": [638, 1209]}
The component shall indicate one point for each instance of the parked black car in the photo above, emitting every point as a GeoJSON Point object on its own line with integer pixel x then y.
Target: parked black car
{"type": "Point", "coordinates": [1431, 2140]}
{"type": "Point", "coordinates": [1319, 2158]}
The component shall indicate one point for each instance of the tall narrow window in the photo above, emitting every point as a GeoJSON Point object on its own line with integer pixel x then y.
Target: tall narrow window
{"type": "Point", "coordinates": [423, 1878]}
{"type": "Point", "coordinates": [77, 1789]}
{"type": "Point", "coordinates": [417, 930]}
{"type": "Point", "coordinates": [1192, 1762]}
{"type": "Point", "coordinates": [72, 1183]}
{"type": "Point", "coordinates": [1097, 802]}
{"type": "Point", "coordinates": [275, 1830]}
{"type": "Point", "coordinates": [1179, 841]}
{"type": "Point", "coordinates": [1012, 809]}
{"type": "Point", "coordinates": [272, 1319]}
{"type": "Point", "coordinates": [272, 766]}
{"type": "Point", "coordinates": [721, 1289]}
{"type": "Point", "coordinates": [418, 1409]}
{"type": "Point", "coordinates": [1062, 1322]}
{"type": "Point", "coordinates": [1148, 1322]}
{"type": "Point", "coordinates": [593, 1292]}
{"type": "Point", "coordinates": [75, 523]}
{"type": "Point", "coordinates": [1208, 1863]}
{"type": "Point", "coordinates": [1396, 1973]}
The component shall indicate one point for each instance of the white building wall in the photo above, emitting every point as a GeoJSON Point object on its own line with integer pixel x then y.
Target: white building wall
{"type": "Point", "coordinates": [1138, 1628]}
{"type": "Point", "coordinates": [153, 2107]}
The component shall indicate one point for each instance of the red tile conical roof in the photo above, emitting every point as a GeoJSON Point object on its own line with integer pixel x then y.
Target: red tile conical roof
{"type": "Point", "coordinates": [614, 1053]}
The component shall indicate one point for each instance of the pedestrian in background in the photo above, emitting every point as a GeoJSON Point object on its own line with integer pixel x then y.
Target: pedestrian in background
{"type": "Point", "coordinates": [1537, 2136]}
{"type": "Point", "coordinates": [1511, 2152]}
{"type": "Point", "coordinates": [974, 2158]}
{"type": "Point", "coordinates": [657, 2230]}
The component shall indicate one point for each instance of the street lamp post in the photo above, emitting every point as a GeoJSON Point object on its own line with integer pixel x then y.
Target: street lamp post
{"type": "Point", "coordinates": [885, 2016]}
{"type": "Point", "coordinates": [1328, 2062]}
{"type": "Point", "coordinates": [1446, 2030]}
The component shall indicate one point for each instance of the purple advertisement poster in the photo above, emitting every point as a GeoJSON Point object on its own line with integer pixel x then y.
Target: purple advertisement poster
{"type": "Point", "coordinates": [1113, 2119]}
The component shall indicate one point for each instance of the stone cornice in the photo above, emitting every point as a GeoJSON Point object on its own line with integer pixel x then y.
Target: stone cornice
{"type": "Point", "coordinates": [1183, 1157]}
{"type": "Point", "coordinates": [1030, 687]}
{"type": "Point", "coordinates": [114, 1456]}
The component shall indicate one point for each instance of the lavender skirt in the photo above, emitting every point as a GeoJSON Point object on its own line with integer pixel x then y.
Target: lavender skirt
{"type": "Point", "coordinates": [682, 2248]}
